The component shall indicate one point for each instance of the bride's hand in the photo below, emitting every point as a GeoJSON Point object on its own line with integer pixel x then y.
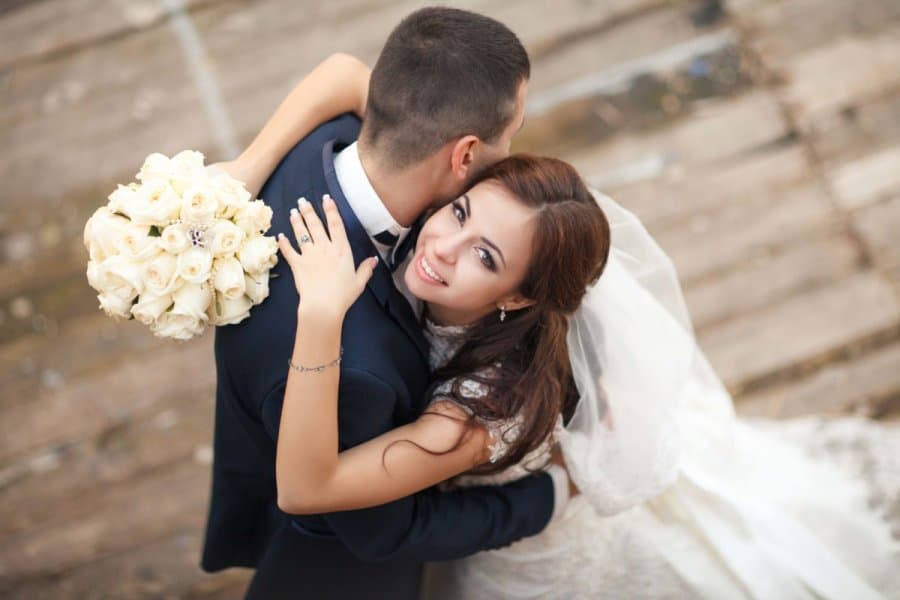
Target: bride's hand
{"type": "Point", "coordinates": [241, 170]}
{"type": "Point", "coordinates": [326, 279]}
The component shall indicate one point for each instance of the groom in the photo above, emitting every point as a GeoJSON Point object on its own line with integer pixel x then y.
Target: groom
{"type": "Point", "coordinates": [445, 98]}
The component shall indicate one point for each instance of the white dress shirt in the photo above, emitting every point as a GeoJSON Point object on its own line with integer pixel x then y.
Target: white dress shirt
{"type": "Point", "coordinates": [372, 213]}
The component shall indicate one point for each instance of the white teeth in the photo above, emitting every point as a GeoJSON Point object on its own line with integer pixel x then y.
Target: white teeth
{"type": "Point", "coordinates": [431, 273]}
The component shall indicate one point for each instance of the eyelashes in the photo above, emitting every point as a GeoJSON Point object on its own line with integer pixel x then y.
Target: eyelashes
{"type": "Point", "coordinates": [483, 255]}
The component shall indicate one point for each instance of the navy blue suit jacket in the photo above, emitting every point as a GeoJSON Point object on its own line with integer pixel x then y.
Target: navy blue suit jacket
{"type": "Point", "coordinates": [383, 380]}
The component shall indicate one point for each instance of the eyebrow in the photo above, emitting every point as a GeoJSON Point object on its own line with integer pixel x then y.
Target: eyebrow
{"type": "Point", "coordinates": [494, 246]}
{"type": "Point", "coordinates": [483, 239]}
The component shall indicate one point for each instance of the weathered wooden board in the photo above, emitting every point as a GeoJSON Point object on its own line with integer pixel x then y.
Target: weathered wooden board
{"type": "Point", "coordinates": [746, 231]}
{"type": "Point", "coordinates": [179, 432]}
{"type": "Point", "coordinates": [868, 179]}
{"type": "Point", "coordinates": [92, 405]}
{"type": "Point", "coordinates": [847, 72]}
{"type": "Point", "coordinates": [861, 384]}
{"type": "Point", "coordinates": [670, 195]}
{"type": "Point", "coordinates": [163, 568]}
{"type": "Point", "coordinates": [781, 30]}
{"type": "Point", "coordinates": [770, 279]}
{"type": "Point", "coordinates": [879, 226]}
{"type": "Point", "coordinates": [109, 522]}
{"type": "Point", "coordinates": [738, 125]}
{"type": "Point", "coordinates": [805, 330]}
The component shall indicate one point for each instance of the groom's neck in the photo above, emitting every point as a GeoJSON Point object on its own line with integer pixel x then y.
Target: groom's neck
{"type": "Point", "coordinates": [406, 193]}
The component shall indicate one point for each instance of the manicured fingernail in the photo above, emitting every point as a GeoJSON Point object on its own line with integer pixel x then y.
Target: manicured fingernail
{"type": "Point", "coordinates": [301, 202]}
{"type": "Point", "coordinates": [294, 212]}
{"type": "Point", "coordinates": [327, 198]}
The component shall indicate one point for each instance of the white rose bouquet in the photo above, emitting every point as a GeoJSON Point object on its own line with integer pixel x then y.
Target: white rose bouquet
{"type": "Point", "coordinates": [180, 250]}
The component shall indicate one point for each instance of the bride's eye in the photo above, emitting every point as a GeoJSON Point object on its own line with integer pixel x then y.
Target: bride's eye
{"type": "Point", "coordinates": [459, 213]}
{"type": "Point", "coordinates": [486, 259]}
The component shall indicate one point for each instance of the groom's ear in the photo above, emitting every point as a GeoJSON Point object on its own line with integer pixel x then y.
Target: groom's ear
{"type": "Point", "coordinates": [462, 156]}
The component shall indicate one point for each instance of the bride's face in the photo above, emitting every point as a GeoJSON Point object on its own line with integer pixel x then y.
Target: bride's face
{"type": "Point", "coordinates": [472, 255]}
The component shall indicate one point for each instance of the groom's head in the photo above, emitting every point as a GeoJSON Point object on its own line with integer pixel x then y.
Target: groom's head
{"type": "Point", "coordinates": [448, 88]}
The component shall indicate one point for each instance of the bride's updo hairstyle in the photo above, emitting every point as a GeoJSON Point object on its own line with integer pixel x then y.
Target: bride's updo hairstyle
{"type": "Point", "coordinates": [526, 356]}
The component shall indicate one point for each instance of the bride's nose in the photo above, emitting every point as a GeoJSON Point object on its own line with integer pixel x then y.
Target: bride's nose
{"type": "Point", "coordinates": [446, 247]}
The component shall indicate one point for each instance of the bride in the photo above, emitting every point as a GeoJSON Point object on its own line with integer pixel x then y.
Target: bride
{"type": "Point", "coordinates": [531, 351]}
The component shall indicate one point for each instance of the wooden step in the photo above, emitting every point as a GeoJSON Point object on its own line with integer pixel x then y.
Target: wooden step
{"type": "Point", "coordinates": [739, 125]}
{"type": "Point", "coordinates": [843, 74]}
{"type": "Point", "coordinates": [804, 331]}
{"type": "Point", "coordinates": [737, 234]}
{"type": "Point", "coordinates": [771, 279]}
{"type": "Point", "coordinates": [67, 350]}
{"type": "Point", "coordinates": [781, 30]}
{"type": "Point", "coordinates": [163, 568]}
{"type": "Point", "coordinates": [878, 224]}
{"type": "Point", "coordinates": [670, 195]}
{"type": "Point", "coordinates": [89, 406]}
{"type": "Point", "coordinates": [179, 432]}
{"type": "Point", "coordinates": [868, 179]}
{"type": "Point", "coordinates": [865, 383]}
{"type": "Point", "coordinates": [109, 521]}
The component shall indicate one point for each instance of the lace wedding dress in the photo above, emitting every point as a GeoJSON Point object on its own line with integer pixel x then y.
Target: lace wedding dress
{"type": "Point", "coordinates": [766, 509]}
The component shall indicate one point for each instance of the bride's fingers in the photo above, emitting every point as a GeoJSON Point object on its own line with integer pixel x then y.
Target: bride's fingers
{"type": "Point", "coordinates": [301, 231]}
{"type": "Point", "coordinates": [313, 223]}
{"type": "Point", "coordinates": [287, 250]}
{"type": "Point", "coordinates": [335, 223]}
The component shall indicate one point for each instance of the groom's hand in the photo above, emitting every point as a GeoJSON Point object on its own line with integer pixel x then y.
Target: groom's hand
{"type": "Point", "coordinates": [556, 458]}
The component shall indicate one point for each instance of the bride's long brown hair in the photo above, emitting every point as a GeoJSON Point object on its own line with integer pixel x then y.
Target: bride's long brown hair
{"type": "Point", "coordinates": [531, 377]}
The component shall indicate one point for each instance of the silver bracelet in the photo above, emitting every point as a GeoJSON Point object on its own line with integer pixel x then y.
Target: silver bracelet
{"type": "Point", "coordinates": [318, 369]}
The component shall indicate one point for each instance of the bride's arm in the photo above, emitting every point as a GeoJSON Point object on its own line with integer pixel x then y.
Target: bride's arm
{"type": "Point", "coordinates": [339, 84]}
{"type": "Point", "coordinates": [312, 475]}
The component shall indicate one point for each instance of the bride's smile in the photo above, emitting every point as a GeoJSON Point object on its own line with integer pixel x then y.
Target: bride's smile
{"type": "Point", "coordinates": [472, 255]}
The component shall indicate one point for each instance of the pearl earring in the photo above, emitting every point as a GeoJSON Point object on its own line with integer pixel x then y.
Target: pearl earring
{"type": "Point", "coordinates": [502, 313]}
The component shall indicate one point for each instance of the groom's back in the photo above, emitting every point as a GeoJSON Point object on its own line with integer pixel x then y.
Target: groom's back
{"type": "Point", "coordinates": [251, 364]}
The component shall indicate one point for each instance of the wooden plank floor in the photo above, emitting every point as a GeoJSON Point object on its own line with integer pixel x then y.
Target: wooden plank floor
{"type": "Point", "coordinates": [760, 145]}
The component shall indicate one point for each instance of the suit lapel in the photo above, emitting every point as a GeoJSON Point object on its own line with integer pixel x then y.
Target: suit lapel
{"type": "Point", "coordinates": [382, 283]}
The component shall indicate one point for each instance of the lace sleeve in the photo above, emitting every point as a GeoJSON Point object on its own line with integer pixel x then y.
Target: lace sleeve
{"type": "Point", "coordinates": [501, 432]}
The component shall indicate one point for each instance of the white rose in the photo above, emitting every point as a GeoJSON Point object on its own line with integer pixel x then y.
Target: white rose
{"type": "Point", "coordinates": [229, 277]}
{"type": "Point", "coordinates": [199, 204]}
{"type": "Point", "coordinates": [121, 197]}
{"type": "Point", "coordinates": [95, 275]}
{"type": "Point", "coordinates": [224, 238]}
{"type": "Point", "coordinates": [118, 282]}
{"type": "Point", "coordinates": [149, 307]}
{"type": "Point", "coordinates": [194, 265]}
{"type": "Point", "coordinates": [254, 218]}
{"type": "Point", "coordinates": [258, 254]}
{"type": "Point", "coordinates": [230, 312]}
{"type": "Point", "coordinates": [160, 274]}
{"type": "Point", "coordinates": [232, 195]}
{"type": "Point", "coordinates": [115, 306]}
{"type": "Point", "coordinates": [192, 300]}
{"type": "Point", "coordinates": [154, 203]}
{"type": "Point", "coordinates": [256, 286]}
{"type": "Point", "coordinates": [179, 327]}
{"type": "Point", "coordinates": [186, 170]}
{"type": "Point", "coordinates": [136, 243]}
{"type": "Point", "coordinates": [156, 166]}
{"type": "Point", "coordinates": [102, 232]}
{"type": "Point", "coordinates": [121, 277]}
{"type": "Point", "coordinates": [174, 238]}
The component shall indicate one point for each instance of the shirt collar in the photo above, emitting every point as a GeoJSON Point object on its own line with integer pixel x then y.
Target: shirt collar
{"type": "Point", "coordinates": [362, 197]}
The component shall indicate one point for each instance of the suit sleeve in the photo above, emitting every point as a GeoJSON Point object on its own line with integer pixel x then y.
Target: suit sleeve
{"type": "Point", "coordinates": [430, 525]}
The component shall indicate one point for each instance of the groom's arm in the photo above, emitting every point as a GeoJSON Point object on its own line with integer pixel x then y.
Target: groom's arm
{"type": "Point", "coordinates": [429, 525]}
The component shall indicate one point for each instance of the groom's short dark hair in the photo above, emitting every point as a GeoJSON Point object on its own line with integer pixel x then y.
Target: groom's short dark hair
{"type": "Point", "coordinates": [443, 73]}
